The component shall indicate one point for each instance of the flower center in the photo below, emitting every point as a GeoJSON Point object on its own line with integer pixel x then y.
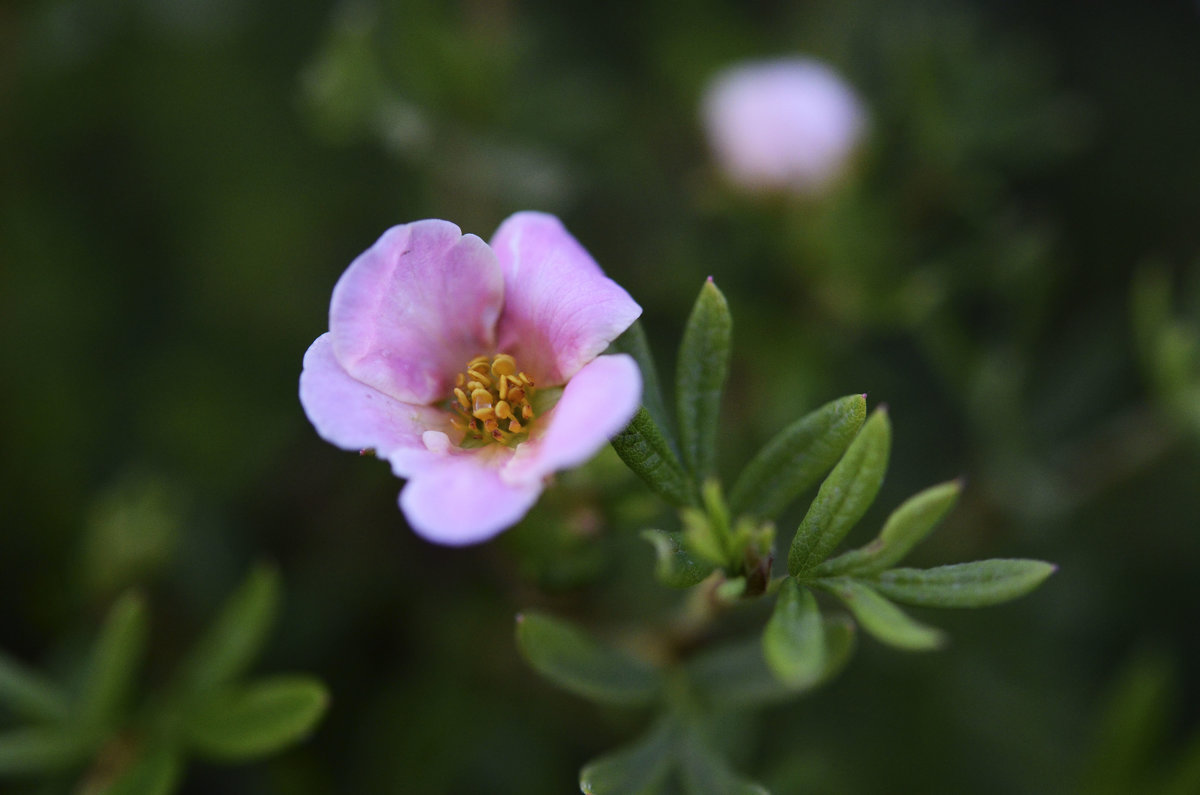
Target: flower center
{"type": "Point", "coordinates": [491, 400]}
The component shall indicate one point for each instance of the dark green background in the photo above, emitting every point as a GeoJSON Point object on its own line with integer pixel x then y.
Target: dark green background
{"type": "Point", "coordinates": [182, 182]}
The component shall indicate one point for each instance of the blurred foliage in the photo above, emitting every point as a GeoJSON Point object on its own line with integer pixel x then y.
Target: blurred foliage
{"type": "Point", "coordinates": [1008, 268]}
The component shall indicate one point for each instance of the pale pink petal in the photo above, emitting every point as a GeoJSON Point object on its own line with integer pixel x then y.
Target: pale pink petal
{"type": "Point", "coordinates": [412, 309]}
{"type": "Point", "coordinates": [461, 500]}
{"type": "Point", "coordinates": [560, 310]}
{"type": "Point", "coordinates": [355, 416]}
{"type": "Point", "coordinates": [595, 406]}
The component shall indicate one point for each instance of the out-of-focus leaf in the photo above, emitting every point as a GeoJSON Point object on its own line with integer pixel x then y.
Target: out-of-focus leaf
{"type": "Point", "coordinates": [157, 771]}
{"type": "Point", "coordinates": [882, 619]}
{"type": "Point", "coordinates": [570, 658]}
{"type": "Point", "coordinates": [113, 665]}
{"type": "Point", "coordinates": [735, 676]}
{"type": "Point", "coordinates": [976, 584]}
{"type": "Point", "coordinates": [634, 342]}
{"type": "Point", "coordinates": [235, 638]}
{"type": "Point", "coordinates": [639, 769]}
{"type": "Point", "coordinates": [28, 693]}
{"type": "Point", "coordinates": [676, 567]}
{"type": "Point", "coordinates": [794, 638]}
{"type": "Point", "coordinates": [705, 771]}
{"type": "Point", "coordinates": [1184, 776]}
{"type": "Point", "coordinates": [647, 452]}
{"type": "Point", "coordinates": [700, 379]}
{"type": "Point", "coordinates": [903, 530]}
{"type": "Point", "coordinates": [797, 458]}
{"type": "Point", "coordinates": [256, 719]}
{"type": "Point", "coordinates": [844, 496]}
{"type": "Point", "coordinates": [41, 749]}
{"type": "Point", "coordinates": [1131, 727]}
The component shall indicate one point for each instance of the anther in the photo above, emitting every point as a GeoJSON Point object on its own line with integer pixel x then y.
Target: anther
{"type": "Point", "coordinates": [515, 395]}
{"type": "Point", "coordinates": [503, 364]}
{"type": "Point", "coordinates": [503, 410]}
{"type": "Point", "coordinates": [462, 398]}
{"type": "Point", "coordinates": [527, 412]}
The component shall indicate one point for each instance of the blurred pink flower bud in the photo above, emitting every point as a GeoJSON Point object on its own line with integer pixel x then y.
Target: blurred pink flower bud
{"type": "Point", "coordinates": [789, 124]}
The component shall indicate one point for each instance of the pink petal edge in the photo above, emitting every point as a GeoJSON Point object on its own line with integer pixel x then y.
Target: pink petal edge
{"type": "Point", "coordinates": [412, 309]}
{"type": "Point", "coordinates": [560, 310]}
{"type": "Point", "coordinates": [461, 500]}
{"type": "Point", "coordinates": [595, 406]}
{"type": "Point", "coordinates": [354, 416]}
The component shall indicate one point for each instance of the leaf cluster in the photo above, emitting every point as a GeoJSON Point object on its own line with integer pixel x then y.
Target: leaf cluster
{"type": "Point", "coordinates": [208, 710]}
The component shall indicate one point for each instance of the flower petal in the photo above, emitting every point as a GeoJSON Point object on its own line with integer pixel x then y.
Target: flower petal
{"type": "Point", "coordinates": [462, 500]}
{"type": "Point", "coordinates": [355, 416]}
{"type": "Point", "coordinates": [595, 406]}
{"type": "Point", "coordinates": [560, 310]}
{"type": "Point", "coordinates": [413, 308]}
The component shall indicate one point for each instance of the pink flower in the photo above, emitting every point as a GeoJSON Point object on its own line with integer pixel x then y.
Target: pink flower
{"type": "Point", "coordinates": [789, 124]}
{"type": "Point", "coordinates": [443, 354]}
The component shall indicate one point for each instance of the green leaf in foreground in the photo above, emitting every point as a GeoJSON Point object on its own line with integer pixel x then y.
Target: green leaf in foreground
{"type": "Point", "coordinates": [700, 379]}
{"type": "Point", "coordinates": [976, 584]}
{"type": "Point", "coordinates": [113, 665]}
{"type": "Point", "coordinates": [572, 659]}
{"type": "Point", "coordinates": [235, 638]}
{"type": "Point", "coordinates": [882, 619]}
{"type": "Point", "coordinates": [797, 457]}
{"type": "Point", "coordinates": [902, 531]}
{"type": "Point", "coordinates": [794, 639]}
{"type": "Point", "coordinates": [705, 771]}
{"type": "Point", "coordinates": [639, 769]}
{"type": "Point", "coordinates": [29, 694]}
{"type": "Point", "coordinates": [644, 449]}
{"type": "Point", "coordinates": [256, 719]}
{"type": "Point", "coordinates": [676, 566]}
{"type": "Point", "coordinates": [844, 496]}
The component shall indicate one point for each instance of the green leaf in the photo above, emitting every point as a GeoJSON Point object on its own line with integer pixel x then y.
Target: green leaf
{"type": "Point", "coordinates": [882, 619]}
{"type": "Point", "coordinates": [634, 342]}
{"type": "Point", "coordinates": [677, 567]}
{"type": "Point", "coordinates": [235, 638]}
{"type": "Point", "coordinates": [647, 452]}
{"type": "Point", "coordinates": [844, 496]}
{"type": "Point", "coordinates": [705, 771]}
{"type": "Point", "coordinates": [977, 584]}
{"type": "Point", "coordinates": [29, 694]}
{"type": "Point", "coordinates": [904, 529]}
{"type": "Point", "coordinates": [573, 660]}
{"type": "Point", "coordinates": [41, 749]}
{"type": "Point", "coordinates": [794, 638]}
{"type": "Point", "coordinates": [113, 665]}
{"type": "Point", "coordinates": [700, 378]}
{"type": "Point", "coordinates": [256, 719]}
{"type": "Point", "coordinates": [797, 458]}
{"type": "Point", "coordinates": [639, 769]}
{"type": "Point", "coordinates": [737, 676]}
{"type": "Point", "coordinates": [157, 771]}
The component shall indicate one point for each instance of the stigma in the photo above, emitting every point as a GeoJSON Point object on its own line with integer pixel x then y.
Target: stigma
{"type": "Point", "coordinates": [491, 401]}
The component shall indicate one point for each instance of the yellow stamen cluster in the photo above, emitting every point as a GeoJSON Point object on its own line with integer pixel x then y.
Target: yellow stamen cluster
{"type": "Point", "coordinates": [491, 399]}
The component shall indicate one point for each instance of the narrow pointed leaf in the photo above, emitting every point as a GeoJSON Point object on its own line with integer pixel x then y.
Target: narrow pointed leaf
{"type": "Point", "coordinates": [256, 719]}
{"type": "Point", "coordinates": [904, 529]}
{"type": "Point", "coordinates": [676, 567]}
{"type": "Point", "coordinates": [113, 665]}
{"type": "Point", "coordinates": [795, 460]}
{"type": "Point", "coordinates": [977, 584]}
{"type": "Point", "coordinates": [156, 772]}
{"type": "Point", "coordinates": [573, 660]}
{"type": "Point", "coordinates": [882, 619]}
{"type": "Point", "coordinates": [794, 639]}
{"type": "Point", "coordinates": [647, 452]}
{"type": "Point", "coordinates": [700, 379]}
{"type": "Point", "coordinates": [844, 496]}
{"type": "Point", "coordinates": [236, 636]}
{"type": "Point", "coordinates": [634, 342]}
{"type": "Point", "coordinates": [41, 749]}
{"type": "Point", "coordinates": [29, 694]}
{"type": "Point", "coordinates": [639, 769]}
{"type": "Point", "coordinates": [839, 645]}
